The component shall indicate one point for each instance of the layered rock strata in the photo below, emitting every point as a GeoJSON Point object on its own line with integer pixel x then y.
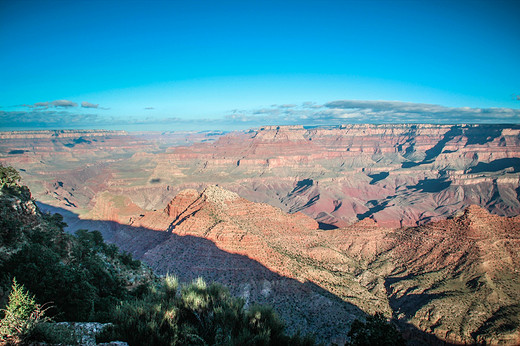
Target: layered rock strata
{"type": "Point", "coordinates": [455, 280]}
{"type": "Point", "coordinates": [397, 175]}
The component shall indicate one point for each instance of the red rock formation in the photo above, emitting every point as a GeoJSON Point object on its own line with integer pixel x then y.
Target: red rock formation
{"type": "Point", "coordinates": [452, 278]}
{"type": "Point", "coordinates": [395, 174]}
{"type": "Point", "coordinates": [428, 170]}
{"type": "Point", "coordinates": [233, 223]}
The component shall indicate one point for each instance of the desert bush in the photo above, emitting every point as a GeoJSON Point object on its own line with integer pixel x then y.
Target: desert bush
{"type": "Point", "coordinates": [375, 331]}
{"type": "Point", "coordinates": [262, 320]}
{"type": "Point", "coordinates": [149, 320]}
{"type": "Point", "coordinates": [21, 315]}
{"type": "Point", "coordinates": [9, 177]}
{"type": "Point", "coordinates": [170, 286]}
{"type": "Point", "coordinates": [202, 314]}
{"type": "Point", "coordinates": [210, 312]}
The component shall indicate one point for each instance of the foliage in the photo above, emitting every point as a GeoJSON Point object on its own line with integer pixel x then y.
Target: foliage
{"type": "Point", "coordinates": [82, 275]}
{"type": "Point", "coordinates": [55, 334]}
{"type": "Point", "coordinates": [9, 177]}
{"type": "Point", "coordinates": [200, 314]}
{"type": "Point", "coordinates": [10, 225]}
{"type": "Point", "coordinates": [72, 272]}
{"type": "Point", "coordinates": [9, 182]}
{"type": "Point", "coordinates": [374, 331]}
{"type": "Point", "coordinates": [21, 315]}
{"type": "Point", "coordinates": [127, 260]}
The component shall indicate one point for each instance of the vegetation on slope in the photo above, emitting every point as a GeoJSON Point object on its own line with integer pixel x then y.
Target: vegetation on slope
{"type": "Point", "coordinates": [81, 278]}
{"type": "Point", "coordinates": [197, 314]}
{"type": "Point", "coordinates": [52, 274]}
{"type": "Point", "coordinates": [375, 331]}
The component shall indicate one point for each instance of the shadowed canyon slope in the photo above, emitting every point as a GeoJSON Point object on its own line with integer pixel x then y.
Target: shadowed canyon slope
{"type": "Point", "coordinates": [456, 279]}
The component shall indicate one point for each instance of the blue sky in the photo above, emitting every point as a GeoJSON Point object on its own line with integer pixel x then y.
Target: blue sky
{"type": "Point", "coordinates": [177, 65]}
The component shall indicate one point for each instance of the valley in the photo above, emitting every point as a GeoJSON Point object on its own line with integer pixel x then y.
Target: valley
{"type": "Point", "coordinates": [326, 224]}
{"type": "Point", "coordinates": [397, 175]}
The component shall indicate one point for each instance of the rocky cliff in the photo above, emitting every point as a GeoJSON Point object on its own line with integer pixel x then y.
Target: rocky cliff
{"type": "Point", "coordinates": [397, 175]}
{"type": "Point", "coordinates": [455, 280]}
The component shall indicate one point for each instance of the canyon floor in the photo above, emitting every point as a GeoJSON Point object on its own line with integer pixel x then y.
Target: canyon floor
{"type": "Point", "coordinates": [325, 224]}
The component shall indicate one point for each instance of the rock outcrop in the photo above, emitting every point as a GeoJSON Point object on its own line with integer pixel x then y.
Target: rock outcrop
{"type": "Point", "coordinates": [453, 279]}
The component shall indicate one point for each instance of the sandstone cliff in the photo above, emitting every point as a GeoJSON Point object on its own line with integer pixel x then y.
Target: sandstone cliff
{"type": "Point", "coordinates": [454, 279]}
{"type": "Point", "coordinates": [397, 175]}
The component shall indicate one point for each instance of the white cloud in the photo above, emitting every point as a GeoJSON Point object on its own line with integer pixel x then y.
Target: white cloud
{"type": "Point", "coordinates": [359, 111]}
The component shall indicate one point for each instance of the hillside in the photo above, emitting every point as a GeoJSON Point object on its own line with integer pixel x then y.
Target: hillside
{"type": "Point", "coordinates": [49, 276]}
{"type": "Point", "coordinates": [453, 279]}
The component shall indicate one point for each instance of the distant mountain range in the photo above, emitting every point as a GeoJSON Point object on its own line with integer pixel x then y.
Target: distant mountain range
{"type": "Point", "coordinates": [417, 221]}
{"type": "Point", "coordinates": [397, 175]}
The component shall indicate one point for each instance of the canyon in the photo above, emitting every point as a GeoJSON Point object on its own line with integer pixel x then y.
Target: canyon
{"type": "Point", "coordinates": [397, 175]}
{"type": "Point", "coordinates": [326, 224]}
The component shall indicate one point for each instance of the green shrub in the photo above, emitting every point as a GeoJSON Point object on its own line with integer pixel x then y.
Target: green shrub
{"type": "Point", "coordinates": [202, 314]}
{"type": "Point", "coordinates": [74, 273]}
{"type": "Point", "coordinates": [67, 286]}
{"type": "Point", "coordinates": [262, 320]}
{"type": "Point", "coordinates": [54, 334]}
{"type": "Point", "coordinates": [210, 312]}
{"type": "Point", "coordinates": [21, 315]}
{"type": "Point", "coordinates": [9, 183]}
{"type": "Point", "coordinates": [374, 331]}
{"type": "Point", "coordinates": [145, 321]}
{"type": "Point", "coordinates": [127, 260]}
{"type": "Point", "coordinates": [9, 177]}
{"type": "Point", "coordinates": [10, 226]}
{"type": "Point", "coordinates": [170, 287]}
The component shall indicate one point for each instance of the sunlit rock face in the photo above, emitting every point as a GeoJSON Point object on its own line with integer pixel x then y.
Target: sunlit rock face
{"type": "Point", "coordinates": [397, 175]}
{"type": "Point", "coordinates": [451, 280]}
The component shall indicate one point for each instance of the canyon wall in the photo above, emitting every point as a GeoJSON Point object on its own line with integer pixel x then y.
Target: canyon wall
{"type": "Point", "coordinates": [397, 175]}
{"type": "Point", "coordinates": [417, 221]}
{"type": "Point", "coordinates": [452, 281]}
